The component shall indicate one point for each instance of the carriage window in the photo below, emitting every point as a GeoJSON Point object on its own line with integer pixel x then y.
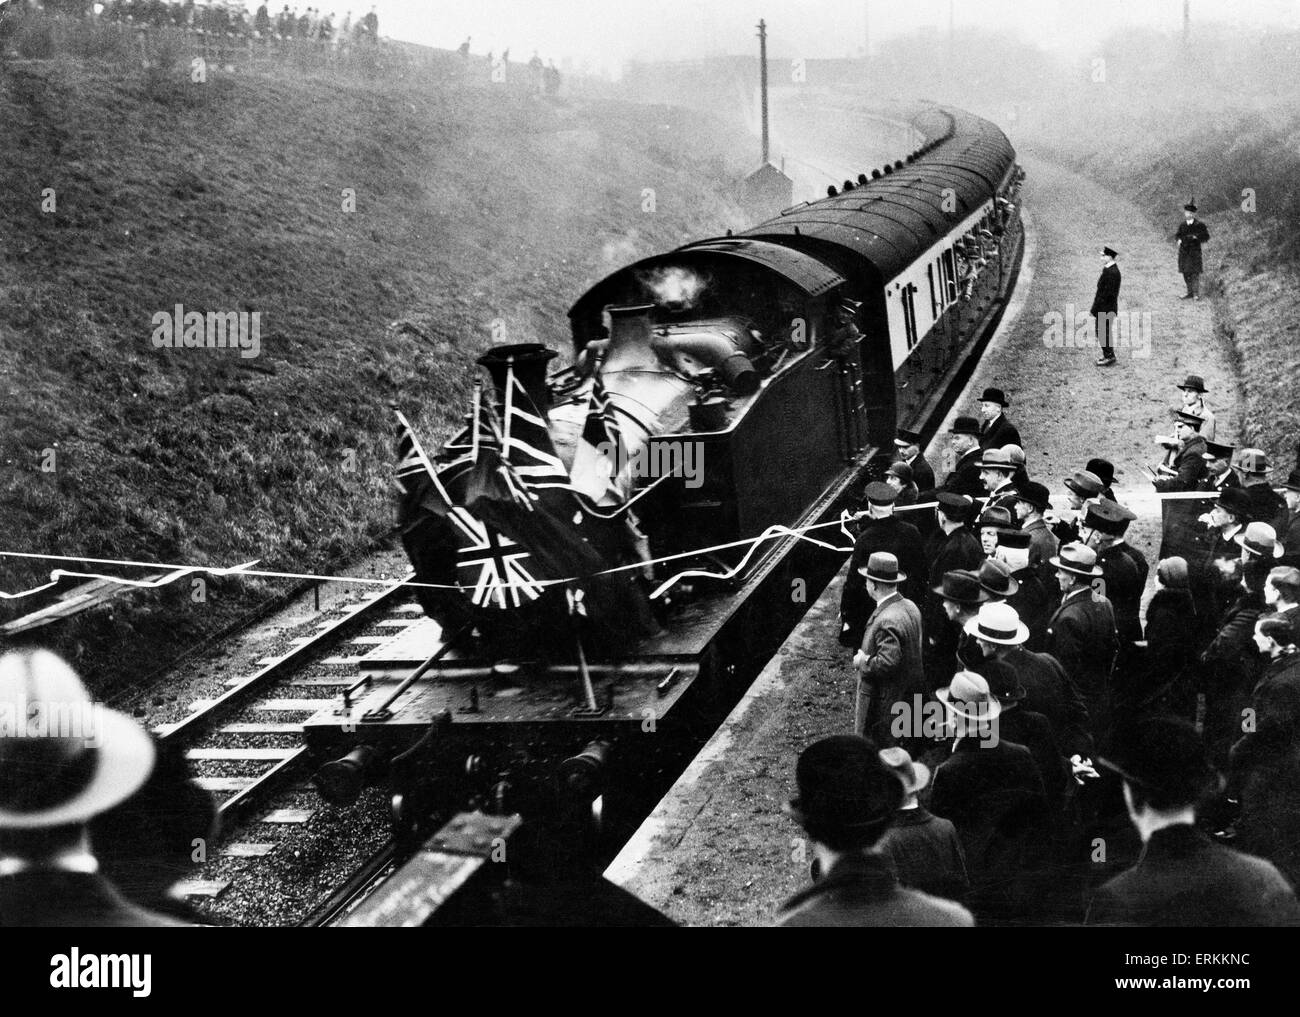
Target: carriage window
{"type": "Point", "coordinates": [934, 298]}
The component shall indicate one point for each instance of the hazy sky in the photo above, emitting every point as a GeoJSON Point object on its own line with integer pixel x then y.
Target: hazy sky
{"type": "Point", "coordinates": [605, 34]}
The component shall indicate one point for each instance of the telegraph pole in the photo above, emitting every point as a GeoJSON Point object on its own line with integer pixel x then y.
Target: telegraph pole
{"type": "Point", "coordinates": [762, 81]}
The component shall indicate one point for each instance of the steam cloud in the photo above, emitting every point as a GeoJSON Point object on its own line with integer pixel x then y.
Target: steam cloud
{"type": "Point", "coordinates": [675, 287]}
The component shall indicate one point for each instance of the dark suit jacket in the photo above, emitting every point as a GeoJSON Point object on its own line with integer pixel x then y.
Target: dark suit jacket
{"type": "Point", "coordinates": [1267, 506]}
{"type": "Point", "coordinates": [1034, 603]}
{"type": "Point", "coordinates": [1107, 298]}
{"type": "Point", "coordinates": [901, 539]}
{"type": "Point", "coordinates": [1034, 732]}
{"type": "Point", "coordinates": [70, 900]}
{"type": "Point", "coordinates": [946, 552]}
{"type": "Point", "coordinates": [862, 890]}
{"type": "Point", "coordinates": [1276, 702]}
{"type": "Point", "coordinates": [927, 853]}
{"type": "Point", "coordinates": [1184, 879]}
{"type": "Point", "coordinates": [965, 476]}
{"type": "Point", "coordinates": [994, 796]}
{"type": "Point", "coordinates": [1052, 693]}
{"type": "Point", "coordinates": [1125, 571]}
{"type": "Point", "coordinates": [1189, 464]}
{"type": "Point", "coordinates": [1081, 635]}
{"type": "Point", "coordinates": [893, 642]}
{"type": "Point", "coordinates": [998, 433]}
{"type": "Point", "coordinates": [1042, 544]}
{"type": "Point", "coordinates": [922, 473]}
{"type": "Point", "coordinates": [1189, 240]}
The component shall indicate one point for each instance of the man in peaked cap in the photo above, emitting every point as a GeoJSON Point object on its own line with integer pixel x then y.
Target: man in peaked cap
{"type": "Point", "coordinates": [1253, 469]}
{"type": "Point", "coordinates": [1191, 234]}
{"type": "Point", "coordinates": [1105, 306]}
{"type": "Point", "coordinates": [889, 661]}
{"type": "Point", "coordinates": [55, 777]}
{"type": "Point", "coordinates": [1081, 632]}
{"type": "Point", "coordinates": [1193, 393]}
{"type": "Point", "coordinates": [996, 471]}
{"type": "Point", "coordinates": [1032, 501]}
{"type": "Point", "coordinates": [995, 429]}
{"type": "Point", "coordinates": [1184, 462]}
{"type": "Point", "coordinates": [847, 799]}
{"type": "Point", "coordinates": [1218, 468]}
{"type": "Point", "coordinates": [881, 530]}
{"type": "Point", "coordinates": [1124, 568]}
{"type": "Point", "coordinates": [1183, 878]}
{"type": "Point", "coordinates": [908, 445]}
{"type": "Point", "coordinates": [965, 475]}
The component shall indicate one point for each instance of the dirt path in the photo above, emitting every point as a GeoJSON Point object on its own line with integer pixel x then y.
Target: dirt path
{"type": "Point", "coordinates": [719, 850]}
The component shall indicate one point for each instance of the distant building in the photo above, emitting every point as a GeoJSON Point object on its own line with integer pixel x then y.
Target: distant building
{"type": "Point", "coordinates": [765, 192]}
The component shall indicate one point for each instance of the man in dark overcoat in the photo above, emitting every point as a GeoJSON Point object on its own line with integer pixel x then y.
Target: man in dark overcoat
{"type": "Point", "coordinates": [1192, 233]}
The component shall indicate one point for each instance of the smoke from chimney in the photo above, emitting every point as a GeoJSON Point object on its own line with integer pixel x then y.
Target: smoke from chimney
{"type": "Point", "coordinates": [677, 289]}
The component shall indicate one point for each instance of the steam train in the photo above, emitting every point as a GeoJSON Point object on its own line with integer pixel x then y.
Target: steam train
{"type": "Point", "coordinates": [607, 554]}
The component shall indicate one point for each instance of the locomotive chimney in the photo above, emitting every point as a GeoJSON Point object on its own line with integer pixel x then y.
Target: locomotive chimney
{"type": "Point", "coordinates": [529, 361]}
{"type": "Point", "coordinates": [629, 333]}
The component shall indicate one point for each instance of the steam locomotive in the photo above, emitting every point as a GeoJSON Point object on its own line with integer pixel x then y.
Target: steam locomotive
{"type": "Point", "coordinates": [606, 555]}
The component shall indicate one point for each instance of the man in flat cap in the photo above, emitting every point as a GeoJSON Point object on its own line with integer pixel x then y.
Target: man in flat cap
{"type": "Point", "coordinates": [847, 799]}
{"type": "Point", "coordinates": [52, 785]}
{"type": "Point", "coordinates": [889, 661]}
{"type": "Point", "coordinates": [1105, 306]}
{"type": "Point", "coordinates": [1193, 393]}
{"type": "Point", "coordinates": [1081, 633]}
{"type": "Point", "coordinates": [995, 429]}
{"type": "Point", "coordinates": [881, 530]}
{"type": "Point", "coordinates": [1191, 234]}
{"type": "Point", "coordinates": [964, 478]}
{"type": "Point", "coordinates": [908, 446]}
{"type": "Point", "coordinates": [1183, 878]}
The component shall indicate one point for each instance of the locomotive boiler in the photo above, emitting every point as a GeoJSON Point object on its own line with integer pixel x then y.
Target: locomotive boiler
{"type": "Point", "coordinates": [607, 554]}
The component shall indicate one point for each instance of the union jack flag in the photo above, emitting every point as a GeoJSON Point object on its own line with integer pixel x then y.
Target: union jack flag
{"type": "Point", "coordinates": [594, 473]}
{"type": "Point", "coordinates": [493, 565]}
{"type": "Point", "coordinates": [526, 440]}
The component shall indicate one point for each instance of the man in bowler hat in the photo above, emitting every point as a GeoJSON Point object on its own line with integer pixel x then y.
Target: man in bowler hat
{"type": "Point", "coordinates": [1105, 306]}
{"type": "Point", "coordinates": [1183, 879]}
{"type": "Point", "coordinates": [995, 429]}
{"type": "Point", "coordinates": [847, 799]}
{"type": "Point", "coordinates": [1192, 233]}
{"type": "Point", "coordinates": [965, 475]}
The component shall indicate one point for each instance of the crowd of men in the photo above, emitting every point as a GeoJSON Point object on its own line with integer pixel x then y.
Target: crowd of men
{"type": "Point", "coordinates": [1058, 755]}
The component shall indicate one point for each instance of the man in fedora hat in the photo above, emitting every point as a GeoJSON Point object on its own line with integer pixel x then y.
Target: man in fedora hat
{"type": "Point", "coordinates": [1080, 488]}
{"type": "Point", "coordinates": [964, 477]}
{"type": "Point", "coordinates": [889, 660]}
{"type": "Point", "coordinates": [996, 629]}
{"type": "Point", "coordinates": [1081, 631]}
{"type": "Point", "coordinates": [1188, 239]}
{"type": "Point", "coordinates": [1048, 690]}
{"type": "Point", "coordinates": [908, 447]}
{"type": "Point", "coordinates": [960, 596]}
{"type": "Point", "coordinates": [991, 790]}
{"type": "Point", "coordinates": [881, 530]}
{"type": "Point", "coordinates": [1032, 501]}
{"type": "Point", "coordinates": [1123, 567]}
{"type": "Point", "coordinates": [925, 849]}
{"type": "Point", "coordinates": [995, 429]}
{"type": "Point", "coordinates": [1215, 574]}
{"type": "Point", "coordinates": [847, 799]}
{"type": "Point", "coordinates": [1267, 506]}
{"type": "Point", "coordinates": [1183, 879]}
{"type": "Point", "coordinates": [996, 471]}
{"type": "Point", "coordinates": [1193, 393]}
{"type": "Point", "coordinates": [1105, 306]}
{"type": "Point", "coordinates": [53, 782]}
{"type": "Point", "coordinates": [1019, 461]}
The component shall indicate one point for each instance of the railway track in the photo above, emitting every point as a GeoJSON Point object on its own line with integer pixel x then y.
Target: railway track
{"type": "Point", "coordinates": [245, 746]}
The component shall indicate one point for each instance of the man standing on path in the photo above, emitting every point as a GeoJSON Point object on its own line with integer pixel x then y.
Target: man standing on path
{"type": "Point", "coordinates": [1191, 234]}
{"type": "Point", "coordinates": [1105, 306]}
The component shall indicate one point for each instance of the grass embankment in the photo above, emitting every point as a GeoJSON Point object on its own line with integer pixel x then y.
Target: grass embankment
{"type": "Point", "coordinates": [473, 205]}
